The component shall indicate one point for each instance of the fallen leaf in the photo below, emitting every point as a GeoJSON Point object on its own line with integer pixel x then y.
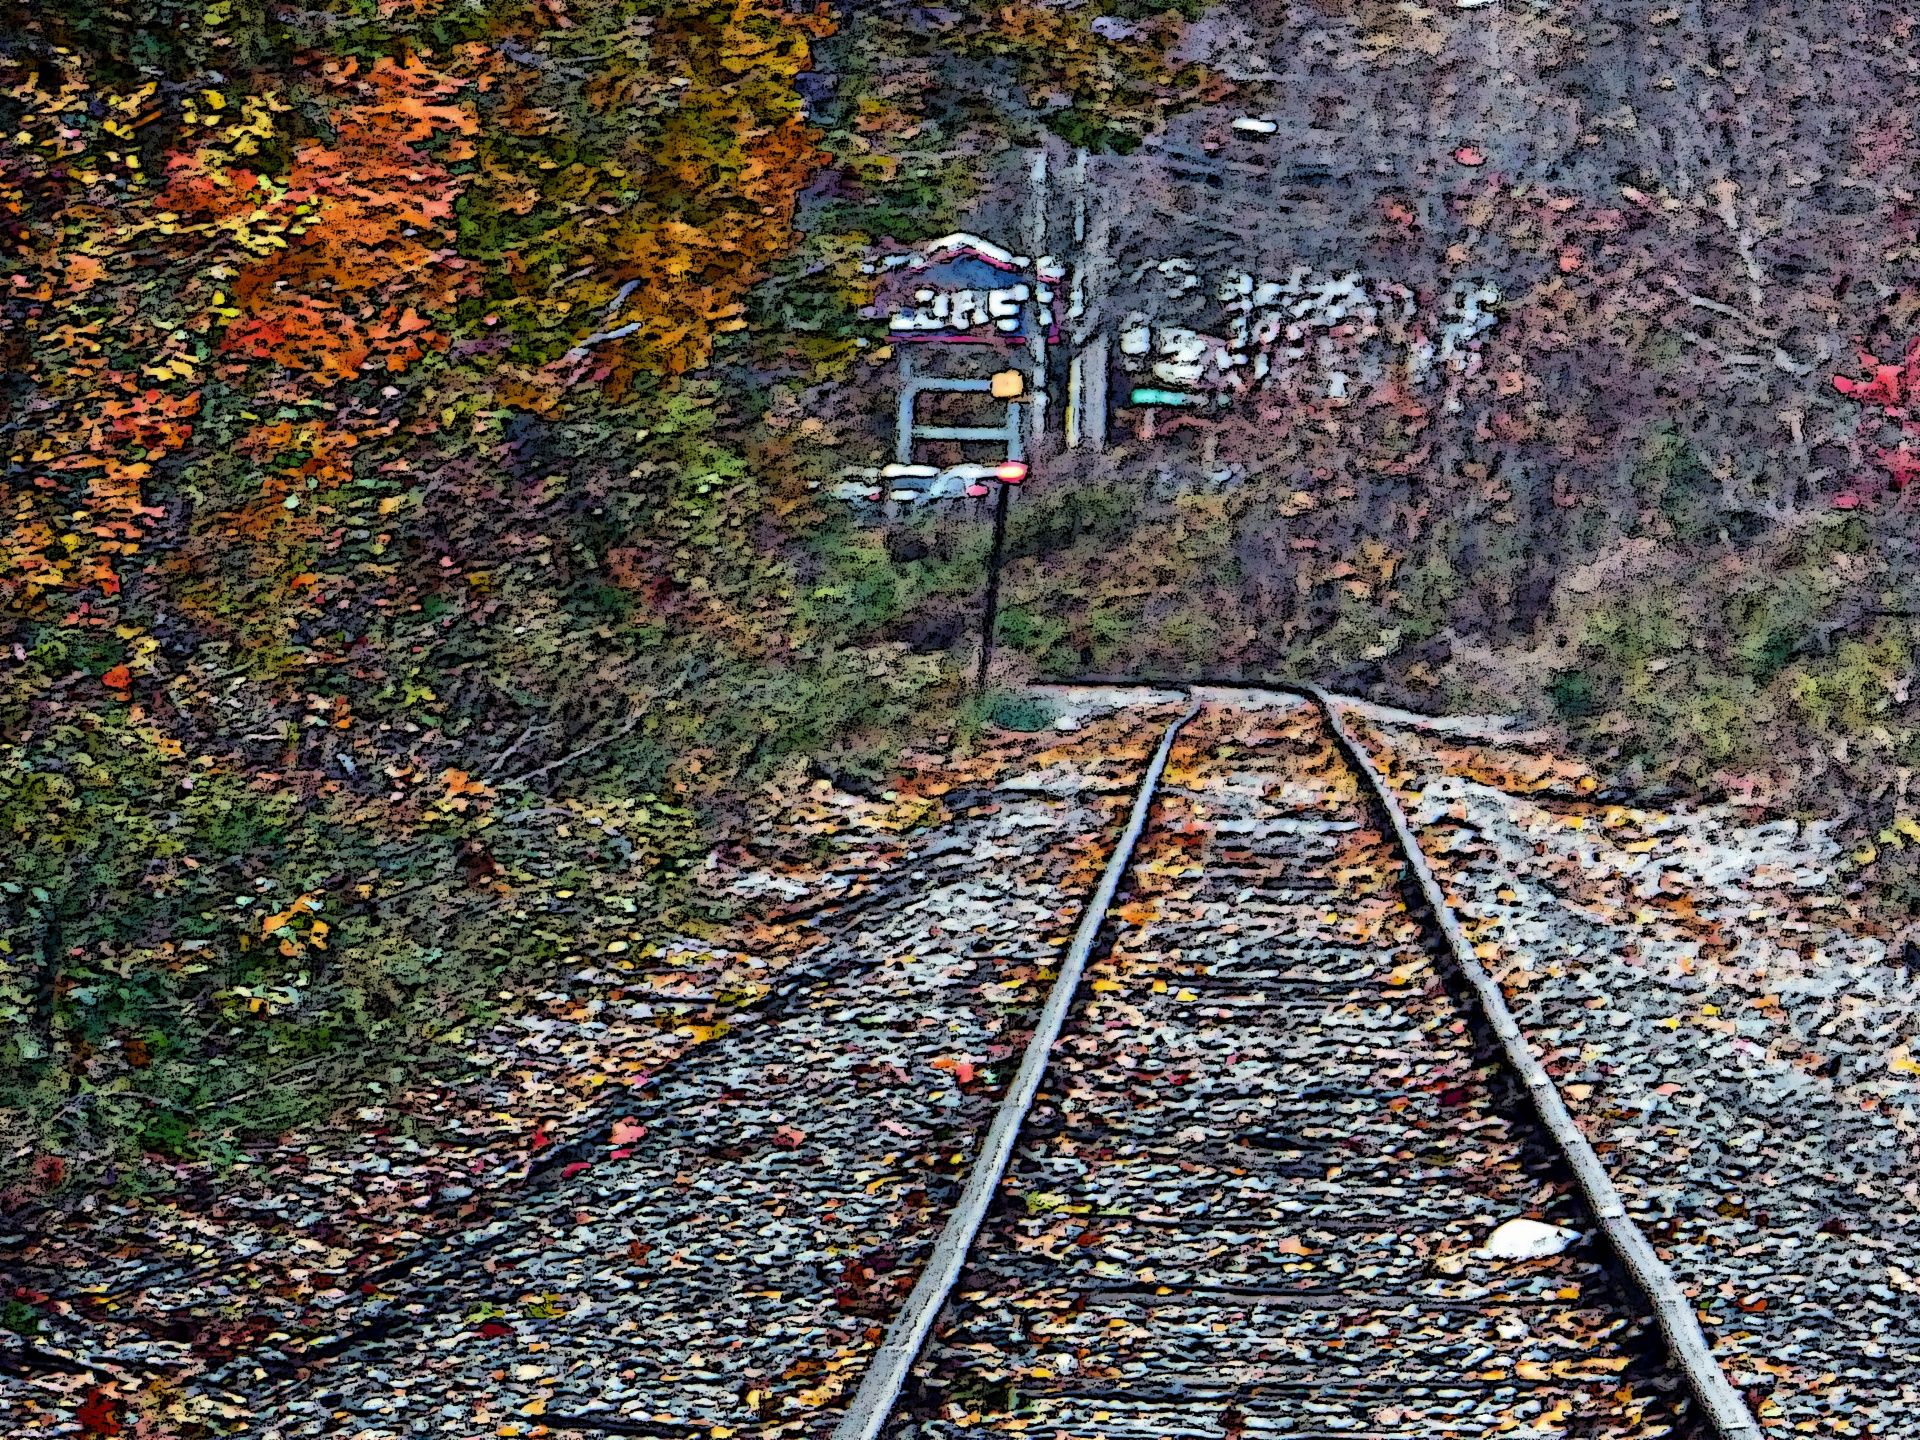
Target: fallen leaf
{"type": "Point", "coordinates": [626, 1131]}
{"type": "Point", "coordinates": [99, 1413]}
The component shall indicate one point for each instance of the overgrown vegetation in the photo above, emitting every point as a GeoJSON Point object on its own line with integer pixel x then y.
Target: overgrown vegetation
{"type": "Point", "coordinates": [409, 555]}
{"type": "Point", "coordinates": [1662, 497]}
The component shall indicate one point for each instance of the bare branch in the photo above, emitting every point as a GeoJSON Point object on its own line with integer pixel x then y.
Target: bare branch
{"type": "Point", "coordinates": [632, 724]}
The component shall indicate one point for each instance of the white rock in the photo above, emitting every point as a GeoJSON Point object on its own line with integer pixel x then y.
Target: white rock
{"type": "Point", "coordinates": [1528, 1240]}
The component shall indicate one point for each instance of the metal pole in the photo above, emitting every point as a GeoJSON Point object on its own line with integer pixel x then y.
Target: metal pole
{"type": "Point", "coordinates": [987, 621]}
{"type": "Point", "coordinates": [1089, 334]}
{"type": "Point", "coordinates": [1037, 198]}
{"type": "Point", "coordinates": [1077, 304]}
{"type": "Point", "coordinates": [903, 416]}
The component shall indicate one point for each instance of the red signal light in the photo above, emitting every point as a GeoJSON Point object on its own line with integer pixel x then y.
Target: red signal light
{"type": "Point", "coordinates": [1011, 472]}
{"type": "Point", "coordinates": [976, 491]}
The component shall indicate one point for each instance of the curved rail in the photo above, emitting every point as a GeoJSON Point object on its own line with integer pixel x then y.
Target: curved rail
{"type": "Point", "coordinates": [1720, 1403]}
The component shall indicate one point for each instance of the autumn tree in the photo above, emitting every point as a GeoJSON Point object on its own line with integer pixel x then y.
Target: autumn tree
{"type": "Point", "coordinates": [281, 310]}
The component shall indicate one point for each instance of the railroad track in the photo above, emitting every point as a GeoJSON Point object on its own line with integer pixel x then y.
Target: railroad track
{"type": "Point", "coordinates": [1241, 1196]}
{"type": "Point", "coordinates": [880, 973]}
{"type": "Point", "coordinates": [1244, 1182]}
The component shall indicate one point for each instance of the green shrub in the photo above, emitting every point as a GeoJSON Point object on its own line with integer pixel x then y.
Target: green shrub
{"type": "Point", "coordinates": [1024, 713]}
{"type": "Point", "coordinates": [1574, 695]}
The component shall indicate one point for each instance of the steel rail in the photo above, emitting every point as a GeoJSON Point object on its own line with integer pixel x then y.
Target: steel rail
{"type": "Point", "coordinates": [1721, 1405]}
{"type": "Point", "coordinates": [893, 1361]}
{"type": "Point", "coordinates": [1724, 1409]}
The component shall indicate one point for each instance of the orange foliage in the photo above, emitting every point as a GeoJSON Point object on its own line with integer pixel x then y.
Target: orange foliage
{"type": "Point", "coordinates": [99, 446]}
{"type": "Point", "coordinates": [202, 184]}
{"type": "Point", "coordinates": [368, 216]}
{"type": "Point", "coordinates": [338, 263]}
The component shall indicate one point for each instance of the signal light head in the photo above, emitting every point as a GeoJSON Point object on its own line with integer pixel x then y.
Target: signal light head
{"type": "Point", "coordinates": [1011, 472]}
{"type": "Point", "coordinates": [976, 491]}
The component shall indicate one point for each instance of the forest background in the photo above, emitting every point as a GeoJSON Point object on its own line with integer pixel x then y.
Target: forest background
{"type": "Point", "coordinates": [416, 417]}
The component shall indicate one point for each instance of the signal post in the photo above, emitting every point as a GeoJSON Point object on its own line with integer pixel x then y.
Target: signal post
{"type": "Point", "coordinates": [965, 291]}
